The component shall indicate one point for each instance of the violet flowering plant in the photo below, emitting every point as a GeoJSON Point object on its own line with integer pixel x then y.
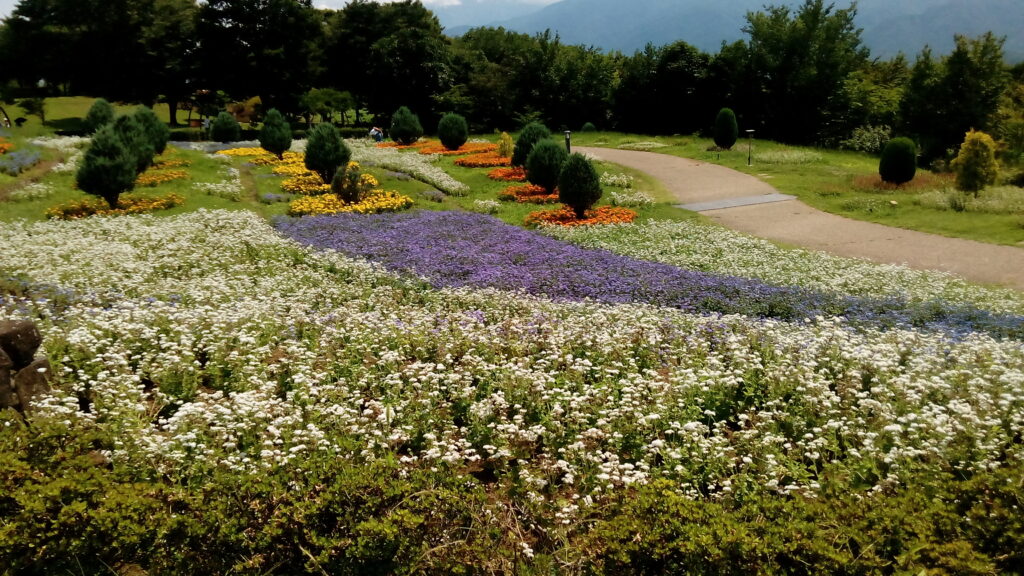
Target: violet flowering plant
{"type": "Point", "coordinates": [462, 249]}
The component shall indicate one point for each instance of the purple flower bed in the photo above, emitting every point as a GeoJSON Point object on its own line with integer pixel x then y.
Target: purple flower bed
{"type": "Point", "coordinates": [455, 249]}
{"type": "Point", "coordinates": [14, 163]}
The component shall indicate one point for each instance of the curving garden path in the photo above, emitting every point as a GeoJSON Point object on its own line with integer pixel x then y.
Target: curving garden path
{"type": "Point", "coordinates": [742, 202]}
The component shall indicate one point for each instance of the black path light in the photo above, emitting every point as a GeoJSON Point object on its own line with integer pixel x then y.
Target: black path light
{"type": "Point", "coordinates": [568, 146]}
{"type": "Point", "coordinates": [750, 139]}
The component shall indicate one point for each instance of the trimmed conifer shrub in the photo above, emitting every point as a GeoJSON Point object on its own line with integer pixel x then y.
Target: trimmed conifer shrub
{"type": "Point", "coordinates": [225, 128]}
{"type": "Point", "coordinates": [453, 131]}
{"type": "Point", "coordinates": [405, 126]}
{"type": "Point", "coordinates": [976, 165]}
{"type": "Point", "coordinates": [579, 186]}
{"type": "Point", "coordinates": [108, 167]}
{"type": "Point", "coordinates": [326, 151]}
{"type": "Point", "coordinates": [899, 161]}
{"type": "Point", "coordinates": [154, 129]}
{"type": "Point", "coordinates": [100, 114]}
{"type": "Point", "coordinates": [276, 134]}
{"type": "Point", "coordinates": [528, 136]}
{"type": "Point", "coordinates": [588, 127]}
{"type": "Point", "coordinates": [727, 130]}
{"type": "Point", "coordinates": [505, 145]}
{"type": "Point", "coordinates": [133, 138]}
{"type": "Point", "coordinates": [544, 164]}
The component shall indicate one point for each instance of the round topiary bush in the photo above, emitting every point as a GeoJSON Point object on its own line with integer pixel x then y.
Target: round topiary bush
{"type": "Point", "coordinates": [108, 167]}
{"type": "Point", "coordinates": [588, 127]}
{"type": "Point", "coordinates": [976, 165]}
{"type": "Point", "coordinates": [453, 131]}
{"type": "Point", "coordinates": [154, 129]}
{"type": "Point", "coordinates": [133, 138]}
{"type": "Point", "coordinates": [225, 128]}
{"type": "Point", "coordinates": [579, 186]}
{"type": "Point", "coordinates": [899, 161]}
{"type": "Point", "coordinates": [727, 130]}
{"type": "Point", "coordinates": [276, 134]}
{"type": "Point", "coordinates": [528, 136]}
{"type": "Point", "coordinates": [544, 164]}
{"type": "Point", "coordinates": [326, 151]}
{"type": "Point", "coordinates": [100, 114]}
{"type": "Point", "coordinates": [405, 126]}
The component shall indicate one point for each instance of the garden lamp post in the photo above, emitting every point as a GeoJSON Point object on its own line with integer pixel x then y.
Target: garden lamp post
{"type": "Point", "coordinates": [568, 146]}
{"type": "Point", "coordinates": [750, 139]}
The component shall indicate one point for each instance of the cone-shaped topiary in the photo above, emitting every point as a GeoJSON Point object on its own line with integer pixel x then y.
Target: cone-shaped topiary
{"type": "Point", "coordinates": [899, 161]}
{"type": "Point", "coordinates": [453, 131]}
{"type": "Point", "coordinates": [579, 186]}
{"type": "Point", "coordinates": [100, 114]}
{"type": "Point", "coordinates": [726, 129]}
{"type": "Point", "coordinates": [225, 128]}
{"type": "Point", "coordinates": [528, 136]}
{"type": "Point", "coordinates": [133, 138]}
{"type": "Point", "coordinates": [544, 164]}
{"type": "Point", "coordinates": [976, 165]}
{"type": "Point", "coordinates": [505, 145]}
{"type": "Point", "coordinates": [155, 130]}
{"type": "Point", "coordinates": [108, 168]}
{"type": "Point", "coordinates": [276, 134]}
{"type": "Point", "coordinates": [405, 126]}
{"type": "Point", "coordinates": [326, 151]}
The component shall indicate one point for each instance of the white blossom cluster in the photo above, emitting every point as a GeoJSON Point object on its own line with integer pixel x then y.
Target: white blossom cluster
{"type": "Point", "coordinates": [617, 180]}
{"type": "Point", "coordinates": [206, 340]}
{"type": "Point", "coordinates": [710, 248]}
{"type": "Point", "coordinates": [631, 199]}
{"type": "Point", "coordinates": [33, 191]}
{"type": "Point", "coordinates": [229, 188]}
{"type": "Point", "coordinates": [419, 166]}
{"type": "Point", "coordinates": [486, 206]}
{"type": "Point", "coordinates": [642, 146]}
{"type": "Point", "coordinates": [70, 147]}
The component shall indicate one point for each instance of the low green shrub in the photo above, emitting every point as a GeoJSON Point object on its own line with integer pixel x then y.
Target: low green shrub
{"type": "Point", "coordinates": [544, 164]}
{"type": "Point", "coordinates": [225, 128]}
{"type": "Point", "coordinates": [453, 131]}
{"type": "Point", "coordinates": [898, 164]}
{"type": "Point", "coordinates": [528, 136]}
{"type": "Point", "coordinates": [588, 127]}
{"type": "Point", "coordinates": [976, 166]}
{"type": "Point", "coordinates": [100, 113]}
{"type": "Point", "coordinates": [405, 126]}
{"type": "Point", "coordinates": [276, 134]}
{"type": "Point", "coordinates": [579, 185]}
{"type": "Point", "coordinates": [326, 151]}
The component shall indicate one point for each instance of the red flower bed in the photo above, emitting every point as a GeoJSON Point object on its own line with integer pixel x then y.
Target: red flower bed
{"type": "Point", "coordinates": [512, 174]}
{"type": "Point", "coordinates": [531, 193]}
{"type": "Point", "coordinates": [565, 216]}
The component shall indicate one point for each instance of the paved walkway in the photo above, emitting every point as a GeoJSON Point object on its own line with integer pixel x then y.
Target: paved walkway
{"type": "Point", "coordinates": [752, 206]}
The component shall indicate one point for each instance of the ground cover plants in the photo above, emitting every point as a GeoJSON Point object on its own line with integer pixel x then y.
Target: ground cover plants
{"type": "Point", "coordinates": [279, 409]}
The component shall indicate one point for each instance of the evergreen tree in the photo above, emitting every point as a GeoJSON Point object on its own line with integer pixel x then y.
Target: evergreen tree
{"type": "Point", "coordinates": [579, 186]}
{"type": "Point", "coordinates": [976, 165]}
{"type": "Point", "coordinates": [899, 161]}
{"type": "Point", "coordinates": [134, 139]}
{"type": "Point", "coordinates": [154, 129]}
{"type": "Point", "coordinates": [326, 152]}
{"type": "Point", "coordinates": [108, 168]}
{"type": "Point", "coordinates": [276, 134]}
{"type": "Point", "coordinates": [225, 128]}
{"type": "Point", "coordinates": [405, 126]}
{"type": "Point", "coordinates": [544, 164]}
{"type": "Point", "coordinates": [726, 129]}
{"type": "Point", "coordinates": [452, 131]}
{"type": "Point", "coordinates": [528, 136]}
{"type": "Point", "coordinates": [100, 114]}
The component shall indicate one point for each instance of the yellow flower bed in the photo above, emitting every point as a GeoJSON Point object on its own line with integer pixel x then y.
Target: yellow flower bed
{"type": "Point", "coordinates": [165, 164]}
{"type": "Point", "coordinates": [288, 158]}
{"type": "Point", "coordinates": [156, 178]}
{"type": "Point", "coordinates": [290, 168]}
{"type": "Point", "coordinates": [375, 202]}
{"type": "Point", "coordinates": [127, 204]}
{"type": "Point", "coordinates": [307, 184]}
{"type": "Point", "coordinates": [245, 152]}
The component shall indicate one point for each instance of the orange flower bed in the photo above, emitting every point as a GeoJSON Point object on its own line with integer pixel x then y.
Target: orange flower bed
{"type": "Point", "coordinates": [531, 193]}
{"type": "Point", "coordinates": [513, 174]}
{"type": "Point", "coordinates": [485, 160]}
{"type": "Point", "coordinates": [5, 146]}
{"type": "Point", "coordinates": [565, 216]}
{"type": "Point", "coordinates": [465, 149]}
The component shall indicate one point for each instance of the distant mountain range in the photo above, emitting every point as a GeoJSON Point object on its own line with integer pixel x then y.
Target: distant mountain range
{"type": "Point", "coordinates": [890, 26]}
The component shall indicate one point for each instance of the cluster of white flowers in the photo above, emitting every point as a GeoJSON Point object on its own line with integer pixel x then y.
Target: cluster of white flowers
{"type": "Point", "coordinates": [486, 206]}
{"type": "Point", "coordinates": [229, 188]}
{"type": "Point", "coordinates": [207, 340]}
{"type": "Point", "coordinates": [33, 191]}
{"type": "Point", "coordinates": [631, 199]}
{"type": "Point", "coordinates": [617, 180]}
{"type": "Point", "coordinates": [70, 147]}
{"type": "Point", "coordinates": [419, 166]}
{"type": "Point", "coordinates": [710, 248]}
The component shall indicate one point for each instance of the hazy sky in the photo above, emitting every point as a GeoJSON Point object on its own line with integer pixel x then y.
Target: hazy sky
{"type": "Point", "coordinates": [7, 5]}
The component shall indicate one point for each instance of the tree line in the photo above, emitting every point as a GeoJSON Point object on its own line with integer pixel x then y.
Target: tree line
{"type": "Point", "coordinates": [802, 75]}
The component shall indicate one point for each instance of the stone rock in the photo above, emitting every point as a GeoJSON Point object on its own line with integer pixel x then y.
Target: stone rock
{"type": "Point", "coordinates": [20, 340]}
{"type": "Point", "coordinates": [32, 381]}
{"type": "Point", "coordinates": [6, 364]}
{"type": "Point", "coordinates": [8, 398]}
